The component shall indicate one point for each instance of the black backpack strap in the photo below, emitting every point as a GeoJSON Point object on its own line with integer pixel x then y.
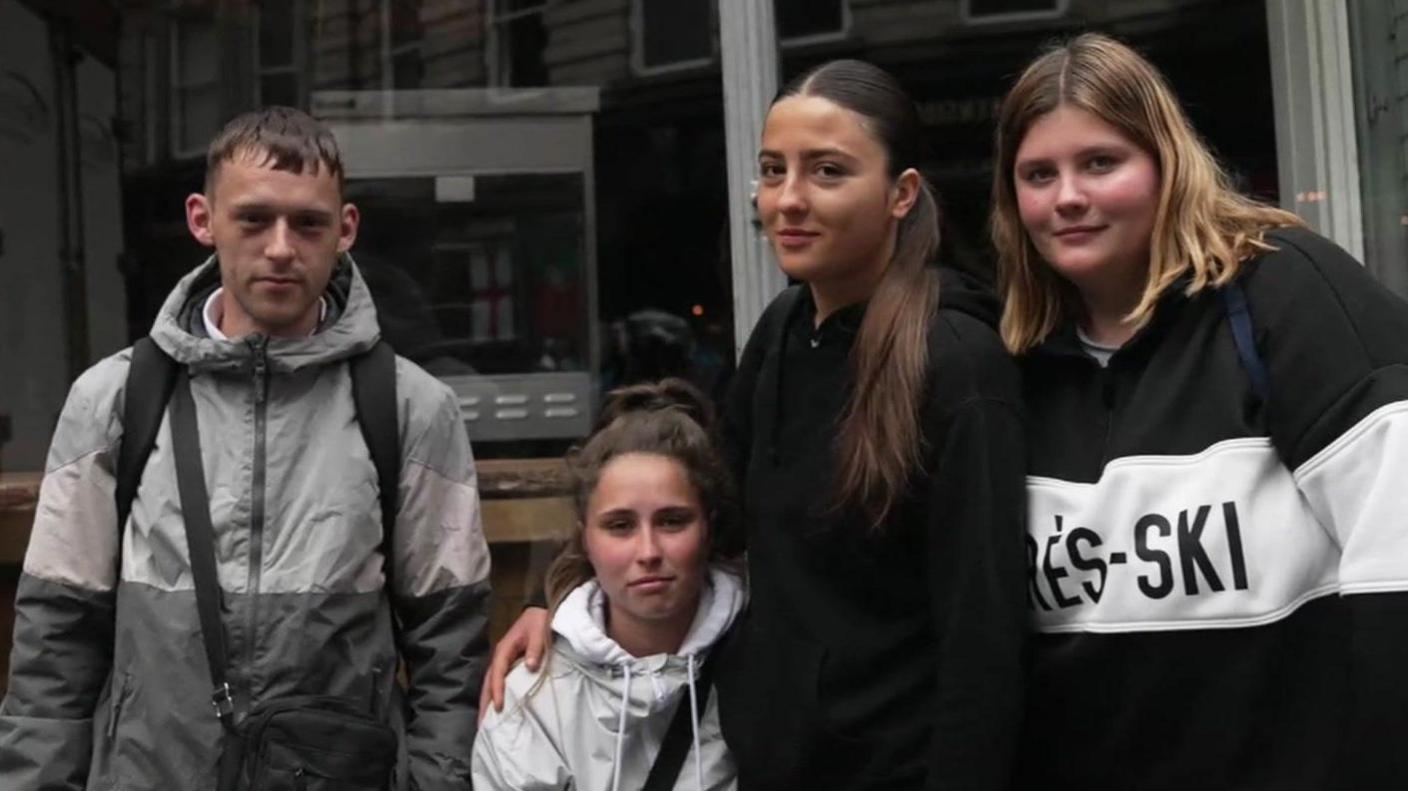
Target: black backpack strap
{"type": "Point", "coordinates": [374, 395]}
{"type": "Point", "coordinates": [150, 378]}
{"type": "Point", "coordinates": [200, 541]}
{"type": "Point", "coordinates": [1240, 318]}
{"type": "Point", "coordinates": [665, 772]}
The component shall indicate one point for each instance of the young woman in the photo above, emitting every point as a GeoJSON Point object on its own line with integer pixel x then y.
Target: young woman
{"type": "Point", "coordinates": [1218, 411]}
{"type": "Point", "coordinates": [637, 603]}
{"type": "Point", "coordinates": [875, 428]}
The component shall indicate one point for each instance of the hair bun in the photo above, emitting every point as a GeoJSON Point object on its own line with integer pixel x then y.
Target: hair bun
{"type": "Point", "coordinates": [668, 393]}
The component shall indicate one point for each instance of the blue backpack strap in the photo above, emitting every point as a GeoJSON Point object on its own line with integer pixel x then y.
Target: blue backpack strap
{"type": "Point", "coordinates": [1240, 318]}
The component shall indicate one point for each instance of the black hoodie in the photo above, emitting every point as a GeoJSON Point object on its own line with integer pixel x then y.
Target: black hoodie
{"type": "Point", "coordinates": [1219, 577]}
{"type": "Point", "coordinates": [888, 659]}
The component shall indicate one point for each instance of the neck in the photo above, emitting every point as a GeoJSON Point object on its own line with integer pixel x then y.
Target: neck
{"type": "Point", "coordinates": [236, 323]}
{"type": "Point", "coordinates": [832, 295]}
{"type": "Point", "coordinates": [646, 638]}
{"type": "Point", "coordinates": [1106, 313]}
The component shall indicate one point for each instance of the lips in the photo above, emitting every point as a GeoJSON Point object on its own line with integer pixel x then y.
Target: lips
{"type": "Point", "coordinates": [650, 584]}
{"type": "Point", "coordinates": [795, 237]}
{"type": "Point", "coordinates": [277, 282]}
{"type": "Point", "coordinates": [1078, 231]}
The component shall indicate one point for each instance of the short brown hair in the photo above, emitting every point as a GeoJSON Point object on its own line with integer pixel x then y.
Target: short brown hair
{"type": "Point", "coordinates": [284, 138]}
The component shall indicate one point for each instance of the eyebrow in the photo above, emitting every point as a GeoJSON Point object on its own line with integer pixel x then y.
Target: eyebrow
{"type": "Point", "coordinates": [271, 208]}
{"type": "Point", "coordinates": [1098, 148]}
{"type": "Point", "coordinates": [814, 153]}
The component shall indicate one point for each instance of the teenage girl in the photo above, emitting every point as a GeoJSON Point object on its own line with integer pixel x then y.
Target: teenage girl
{"type": "Point", "coordinates": [1218, 412]}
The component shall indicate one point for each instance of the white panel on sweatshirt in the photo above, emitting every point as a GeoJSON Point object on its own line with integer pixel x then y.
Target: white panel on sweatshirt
{"type": "Point", "coordinates": [1218, 539]}
{"type": "Point", "coordinates": [1358, 486]}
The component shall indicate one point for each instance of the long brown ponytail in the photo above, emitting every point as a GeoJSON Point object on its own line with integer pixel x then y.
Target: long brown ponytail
{"type": "Point", "coordinates": [880, 442]}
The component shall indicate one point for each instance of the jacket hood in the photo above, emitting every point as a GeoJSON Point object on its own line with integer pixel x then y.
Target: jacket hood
{"type": "Point", "coordinates": [964, 292]}
{"type": "Point", "coordinates": [581, 621]}
{"type": "Point", "coordinates": [349, 327]}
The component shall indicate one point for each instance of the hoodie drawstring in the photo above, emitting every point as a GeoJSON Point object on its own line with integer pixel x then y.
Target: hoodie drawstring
{"type": "Point", "coordinates": [694, 724]}
{"type": "Point", "coordinates": [621, 728]}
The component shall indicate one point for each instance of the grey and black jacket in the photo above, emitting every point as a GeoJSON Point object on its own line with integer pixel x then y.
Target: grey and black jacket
{"type": "Point", "coordinates": [109, 687]}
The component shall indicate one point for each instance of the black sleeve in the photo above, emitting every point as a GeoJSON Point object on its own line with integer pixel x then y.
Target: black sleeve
{"type": "Point", "coordinates": [976, 562]}
{"type": "Point", "coordinates": [1336, 348]}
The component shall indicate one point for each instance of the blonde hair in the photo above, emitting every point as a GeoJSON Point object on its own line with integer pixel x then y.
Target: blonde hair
{"type": "Point", "coordinates": [1203, 227]}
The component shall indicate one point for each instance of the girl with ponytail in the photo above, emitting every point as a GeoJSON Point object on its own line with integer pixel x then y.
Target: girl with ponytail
{"type": "Point", "coordinates": [875, 431]}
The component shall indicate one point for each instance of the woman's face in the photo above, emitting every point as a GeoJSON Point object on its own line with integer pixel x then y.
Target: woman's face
{"type": "Point", "coordinates": [825, 196]}
{"type": "Point", "coordinates": [647, 539]}
{"type": "Point", "coordinates": [1088, 197]}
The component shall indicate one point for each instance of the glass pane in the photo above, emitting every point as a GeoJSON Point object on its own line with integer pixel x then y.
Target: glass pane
{"type": "Point", "coordinates": [198, 119]}
{"type": "Point", "coordinates": [407, 69]}
{"type": "Point", "coordinates": [277, 30]}
{"type": "Point", "coordinates": [1379, 33]}
{"type": "Point", "coordinates": [198, 52]}
{"type": "Point", "coordinates": [279, 89]}
{"type": "Point", "coordinates": [517, 6]}
{"type": "Point", "coordinates": [405, 21]}
{"type": "Point", "coordinates": [523, 41]}
{"type": "Point", "coordinates": [979, 8]}
{"type": "Point", "coordinates": [674, 30]}
{"type": "Point", "coordinates": [798, 18]}
{"type": "Point", "coordinates": [492, 285]}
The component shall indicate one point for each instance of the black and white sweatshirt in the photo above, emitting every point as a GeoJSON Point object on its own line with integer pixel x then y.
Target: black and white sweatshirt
{"type": "Point", "coordinates": [1219, 580]}
{"type": "Point", "coordinates": [888, 660]}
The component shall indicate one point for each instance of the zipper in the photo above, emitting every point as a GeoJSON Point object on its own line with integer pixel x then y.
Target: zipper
{"type": "Point", "coordinates": [258, 345]}
{"type": "Point", "coordinates": [118, 700]}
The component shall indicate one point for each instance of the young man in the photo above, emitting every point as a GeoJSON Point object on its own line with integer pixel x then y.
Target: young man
{"type": "Point", "coordinates": [109, 685]}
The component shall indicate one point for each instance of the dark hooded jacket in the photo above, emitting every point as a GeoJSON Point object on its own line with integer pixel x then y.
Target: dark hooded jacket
{"type": "Point", "coordinates": [888, 658]}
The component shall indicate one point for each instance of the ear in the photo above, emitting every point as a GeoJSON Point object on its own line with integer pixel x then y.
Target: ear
{"type": "Point", "coordinates": [347, 227]}
{"type": "Point", "coordinates": [198, 217]}
{"type": "Point", "coordinates": [905, 193]}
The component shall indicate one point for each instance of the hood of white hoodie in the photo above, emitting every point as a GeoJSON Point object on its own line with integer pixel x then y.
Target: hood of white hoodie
{"type": "Point", "coordinates": [581, 621]}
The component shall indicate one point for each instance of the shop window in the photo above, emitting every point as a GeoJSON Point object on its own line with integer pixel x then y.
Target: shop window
{"type": "Point", "coordinates": [983, 11]}
{"type": "Point", "coordinates": [804, 21]}
{"type": "Point", "coordinates": [672, 34]}
{"type": "Point", "coordinates": [281, 47]}
{"type": "Point", "coordinates": [518, 40]}
{"type": "Point", "coordinates": [195, 85]}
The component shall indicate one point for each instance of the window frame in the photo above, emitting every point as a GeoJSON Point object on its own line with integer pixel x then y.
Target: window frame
{"type": "Point", "coordinates": [965, 12]}
{"type": "Point", "coordinates": [176, 87]}
{"type": "Point", "coordinates": [819, 38]}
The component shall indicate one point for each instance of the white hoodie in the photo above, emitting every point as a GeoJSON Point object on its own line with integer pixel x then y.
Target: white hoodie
{"type": "Point", "coordinates": [574, 731]}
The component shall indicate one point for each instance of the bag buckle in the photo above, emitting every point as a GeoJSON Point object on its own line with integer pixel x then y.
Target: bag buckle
{"type": "Point", "coordinates": [223, 701]}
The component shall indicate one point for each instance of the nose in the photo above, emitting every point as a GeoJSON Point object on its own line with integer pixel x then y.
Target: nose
{"type": "Point", "coordinates": [280, 245]}
{"type": "Point", "coordinates": [792, 194]}
{"type": "Point", "coordinates": [1070, 195]}
{"type": "Point", "coordinates": [647, 547]}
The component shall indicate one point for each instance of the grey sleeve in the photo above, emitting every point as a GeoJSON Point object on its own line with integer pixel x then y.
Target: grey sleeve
{"type": "Point", "coordinates": [64, 609]}
{"type": "Point", "coordinates": [441, 596]}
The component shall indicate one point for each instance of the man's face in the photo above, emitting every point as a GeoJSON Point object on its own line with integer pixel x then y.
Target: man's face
{"type": "Point", "coordinates": [277, 235]}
